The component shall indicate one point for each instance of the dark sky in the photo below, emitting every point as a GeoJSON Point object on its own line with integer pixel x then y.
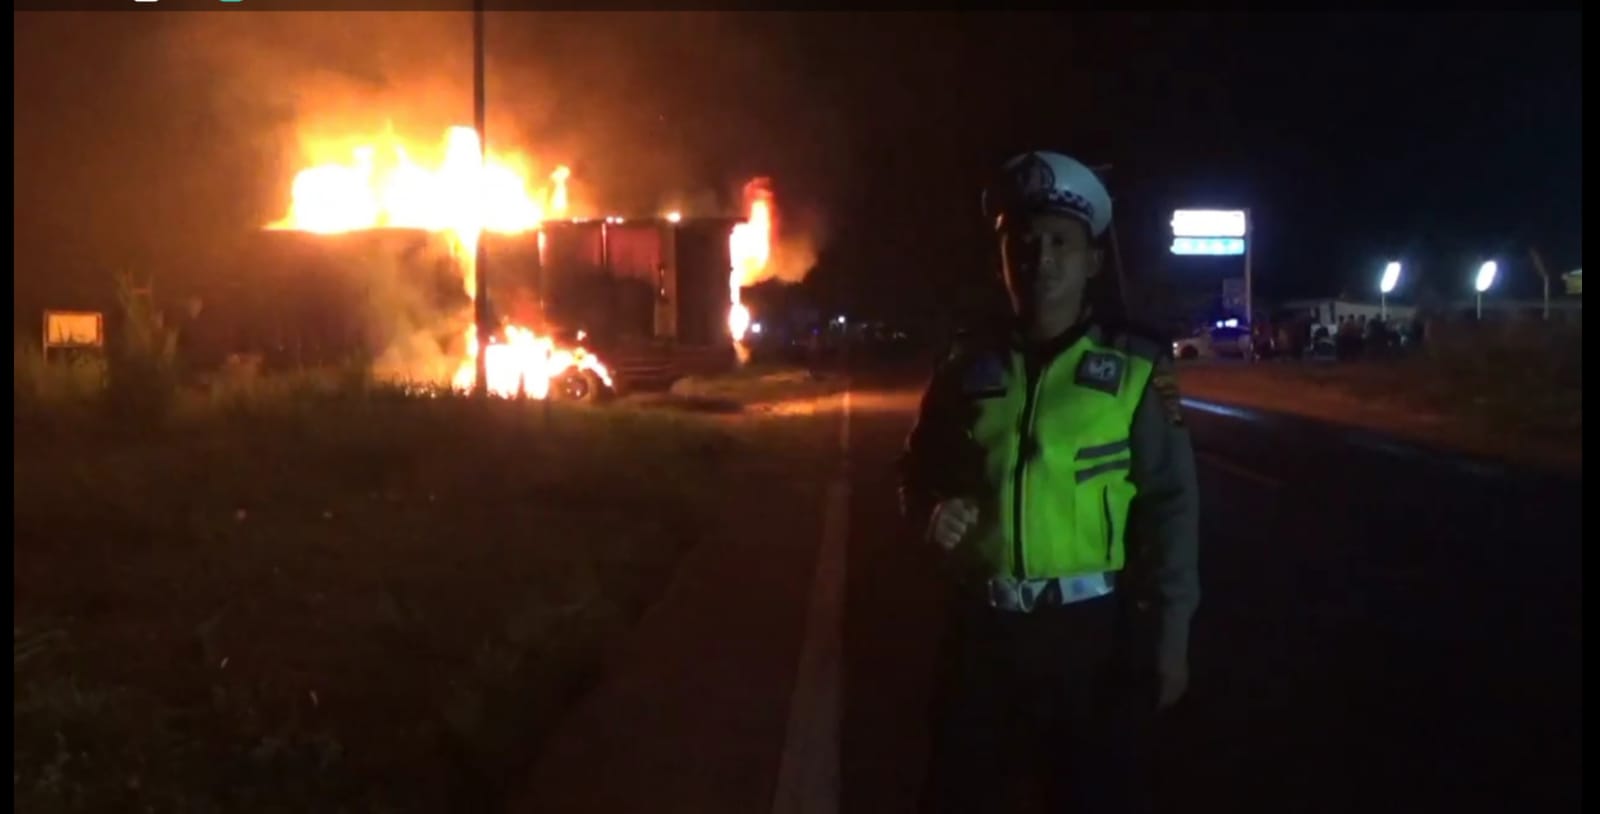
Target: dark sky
{"type": "Point", "coordinates": [158, 141]}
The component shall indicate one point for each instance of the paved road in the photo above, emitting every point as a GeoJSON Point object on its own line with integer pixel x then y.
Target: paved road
{"type": "Point", "coordinates": [1382, 629]}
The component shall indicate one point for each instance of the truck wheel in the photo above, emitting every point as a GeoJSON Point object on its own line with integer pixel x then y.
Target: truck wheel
{"type": "Point", "coordinates": [581, 386]}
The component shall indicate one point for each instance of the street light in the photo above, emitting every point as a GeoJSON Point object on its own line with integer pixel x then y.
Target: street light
{"type": "Point", "coordinates": [1485, 279]}
{"type": "Point", "coordinates": [1391, 278]}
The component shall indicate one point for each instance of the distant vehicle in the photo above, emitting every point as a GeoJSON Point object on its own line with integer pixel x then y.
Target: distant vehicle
{"type": "Point", "coordinates": [1227, 341]}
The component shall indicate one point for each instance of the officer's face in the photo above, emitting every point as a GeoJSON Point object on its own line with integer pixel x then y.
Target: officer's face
{"type": "Point", "coordinates": [1047, 261]}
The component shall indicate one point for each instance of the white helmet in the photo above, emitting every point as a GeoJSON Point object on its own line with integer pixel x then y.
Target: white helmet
{"type": "Point", "coordinates": [1050, 182]}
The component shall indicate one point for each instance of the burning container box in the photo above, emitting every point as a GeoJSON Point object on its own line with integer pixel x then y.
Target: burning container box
{"type": "Point", "coordinates": [297, 298]}
{"type": "Point", "coordinates": [624, 280]}
{"type": "Point", "coordinates": [650, 289]}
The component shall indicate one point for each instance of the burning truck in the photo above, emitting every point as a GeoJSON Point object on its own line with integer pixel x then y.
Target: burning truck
{"type": "Point", "coordinates": [377, 256]}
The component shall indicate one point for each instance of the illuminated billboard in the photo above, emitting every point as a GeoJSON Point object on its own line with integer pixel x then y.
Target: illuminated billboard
{"type": "Point", "coordinates": [1213, 246]}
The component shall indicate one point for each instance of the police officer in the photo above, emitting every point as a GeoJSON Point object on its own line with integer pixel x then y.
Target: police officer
{"type": "Point", "coordinates": [1050, 468]}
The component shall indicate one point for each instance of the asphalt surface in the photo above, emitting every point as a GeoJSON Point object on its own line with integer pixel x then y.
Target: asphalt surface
{"type": "Point", "coordinates": [1383, 629]}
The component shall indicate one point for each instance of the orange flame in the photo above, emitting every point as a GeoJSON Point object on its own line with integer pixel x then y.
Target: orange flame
{"type": "Point", "coordinates": [464, 194]}
{"type": "Point", "coordinates": [750, 249]}
{"type": "Point", "coordinates": [524, 363]}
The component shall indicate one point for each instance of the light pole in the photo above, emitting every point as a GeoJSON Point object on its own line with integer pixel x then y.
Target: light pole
{"type": "Point", "coordinates": [1103, 170]}
{"type": "Point", "coordinates": [1485, 279]}
{"type": "Point", "coordinates": [480, 293]}
{"type": "Point", "coordinates": [1391, 278]}
{"type": "Point", "coordinates": [1249, 293]}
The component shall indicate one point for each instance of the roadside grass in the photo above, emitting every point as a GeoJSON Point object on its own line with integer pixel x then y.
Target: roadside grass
{"type": "Point", "coordinates": [757, 384]}
{"type": "Point", "coordinates": [313, 593]}
{"type": "Point", "coordinates": [1520, 398]}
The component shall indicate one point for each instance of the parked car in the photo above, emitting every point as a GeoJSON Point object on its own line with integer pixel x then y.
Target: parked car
{"type": "Point", "coordinates": [1213, 342]}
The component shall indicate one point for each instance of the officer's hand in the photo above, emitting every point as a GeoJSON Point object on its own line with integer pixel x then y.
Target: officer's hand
{"type": "Point", "coordinates": [951, 521]}
{"type": "Point", "coordinates": [1174, 680]}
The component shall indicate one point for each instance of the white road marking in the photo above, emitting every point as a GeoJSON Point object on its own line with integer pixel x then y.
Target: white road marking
{"type": "Point", "coordinates": [1228, 410]}
{"type": "Point", "coordinates": [808, 771]}
{"type": "Point", "coordinates": [1383, 445]}
{"type": "Point", "coordinates": [1395, 447]}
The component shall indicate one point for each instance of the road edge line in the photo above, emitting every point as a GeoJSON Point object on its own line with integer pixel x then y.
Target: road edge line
{"type": "Point", "coordinates": [809, 769]}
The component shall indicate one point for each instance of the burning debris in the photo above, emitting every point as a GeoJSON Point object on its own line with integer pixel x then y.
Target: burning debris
{"type": "Point", "coordinates": [521, 361]}
{"type": "Point", "coordinates": [462, 195]}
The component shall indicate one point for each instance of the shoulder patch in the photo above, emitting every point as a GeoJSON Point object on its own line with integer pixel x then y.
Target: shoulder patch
{"type": "Point", "coordinates": [1138, 338]}
{"type": "Point", "coordinates": [1145, 346]}
{"type": "Point", "coordinates": [1164, 380]}
{"type": "Point", "coordinates": [984, 376]}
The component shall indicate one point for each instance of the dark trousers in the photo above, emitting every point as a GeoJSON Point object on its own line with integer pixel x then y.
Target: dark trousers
{"type": "Point", "coordinates": [1050, 700]}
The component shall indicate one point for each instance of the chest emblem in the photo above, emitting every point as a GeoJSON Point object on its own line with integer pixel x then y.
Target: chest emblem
{"type": "Point", "coordinates": [1101, 371]}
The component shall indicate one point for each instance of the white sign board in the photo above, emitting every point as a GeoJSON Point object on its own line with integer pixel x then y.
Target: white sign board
{"type": "Point", "coordinates": [1214, 246]}
{"type": "Point", "coordinates": [1209, 223]}
{"type": "Point", "coordinates": [74, 329]}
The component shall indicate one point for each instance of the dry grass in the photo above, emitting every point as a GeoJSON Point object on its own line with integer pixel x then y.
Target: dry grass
{"type": "Point", "coordinates": [1516, 394]}
{"type": "Point", "coordinates": [759, 383]}
{"type": "Point", "coordinates": [310, 594]}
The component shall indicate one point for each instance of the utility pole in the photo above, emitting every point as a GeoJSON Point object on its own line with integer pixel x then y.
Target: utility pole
{"type": "Point", "coordinates": [480, 294]}
{"type": "Point", "coordinates": [1104, 170]}
{"type": "Point", "coordinates": [1249, 288]}
{"type": "Point", "coordinates": [1544, 273]}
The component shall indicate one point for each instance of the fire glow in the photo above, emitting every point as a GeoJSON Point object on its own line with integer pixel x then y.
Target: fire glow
{"type": "Point", "coordinates": [750, 250]}
{"type": "Point", "coordinates": [463, 194]}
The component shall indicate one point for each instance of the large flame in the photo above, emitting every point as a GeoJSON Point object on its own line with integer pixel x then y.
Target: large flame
{"type": "Point", "coordinates": [524, 363]}
{"type": "Point", "coordinates": [463, 194]}
{"type": "Point", "coordinates": [750, 249]}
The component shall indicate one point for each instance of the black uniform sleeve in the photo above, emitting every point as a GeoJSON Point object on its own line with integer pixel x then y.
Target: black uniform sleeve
{"type": "Point", "coordinates": [931, 461]}
{"type": "Point", "coordinates": [1166, 513]}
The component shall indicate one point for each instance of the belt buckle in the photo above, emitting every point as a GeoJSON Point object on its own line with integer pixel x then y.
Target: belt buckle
{"type": "Point", "coordinates": [1009, 594]}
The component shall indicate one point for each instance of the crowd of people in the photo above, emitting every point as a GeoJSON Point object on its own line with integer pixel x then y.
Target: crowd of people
{"type": "Point", "coordinates": [1351, 337]}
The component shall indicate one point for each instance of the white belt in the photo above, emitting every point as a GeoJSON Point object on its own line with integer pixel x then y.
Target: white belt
{"type": "Point", "coordinates": [1011, 594]}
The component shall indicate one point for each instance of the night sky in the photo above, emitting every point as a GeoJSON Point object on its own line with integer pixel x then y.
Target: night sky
{"type": "Point", "coordinates": [157, 141]}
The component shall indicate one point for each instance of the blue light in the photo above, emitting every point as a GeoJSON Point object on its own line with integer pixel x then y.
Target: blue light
{"type": "Point", "coordinates": [1208, 246]}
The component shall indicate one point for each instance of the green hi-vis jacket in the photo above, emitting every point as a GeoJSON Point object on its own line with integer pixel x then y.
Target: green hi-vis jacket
{"type": "Point", "coordinates": [1078, 459]}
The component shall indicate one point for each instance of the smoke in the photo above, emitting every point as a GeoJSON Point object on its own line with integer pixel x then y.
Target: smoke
{"type": "Point", "coordinates": [416, 312]}
{"type": "Point", "coordinates": [794, 251]}
{"type": "Point", "coordinates": [798, 235]}
{"type": "Point", "coordinates": [165, 142]}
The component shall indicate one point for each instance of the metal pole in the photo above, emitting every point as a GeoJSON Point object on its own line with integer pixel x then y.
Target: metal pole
{"type": "Point", "coordinates": [1116, 257]}
{"type": "Point", "coordinates": [1383, 306]}
{"type": "Point", "coordinates": [1249, 296]}
{"type": "Point", "coordinates": [1544, 274]}
{"type": "Point", "coordinates": [480, 294]}
{"type": "Point", "coordinates": [1116, 250]}
{"type": "Point", "coordinates": [1480, 306]}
